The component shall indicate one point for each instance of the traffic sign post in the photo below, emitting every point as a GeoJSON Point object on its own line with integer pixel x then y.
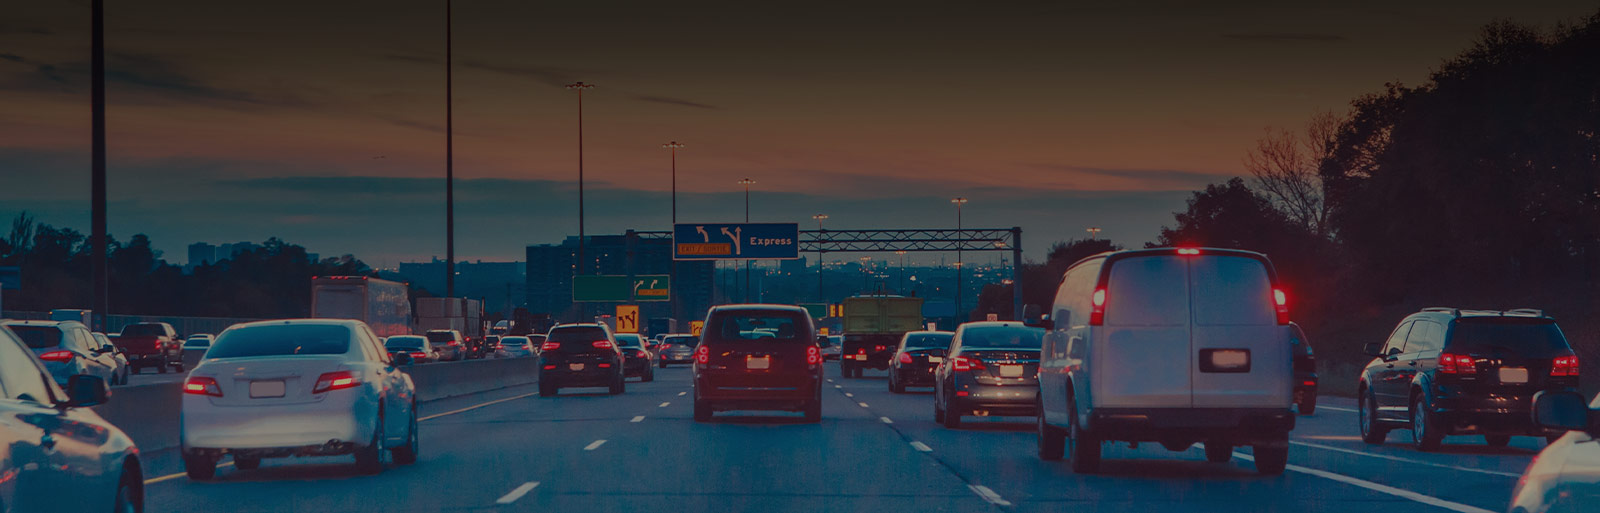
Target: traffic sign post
{"type": "Point", "coordinates": [736, 241]}
{"type": "Point", "coordinates": [627, 318]}
{"type": "Point", "coordinates": [620, 289]}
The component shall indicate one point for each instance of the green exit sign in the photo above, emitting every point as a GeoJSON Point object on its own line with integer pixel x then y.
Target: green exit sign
{"type": "Point", "coordinates": [619, 289]}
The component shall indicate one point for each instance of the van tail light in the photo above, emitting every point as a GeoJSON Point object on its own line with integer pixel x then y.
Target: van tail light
{"type": "Point", "coordinates": [1565, 366]}
{"type": "Point", "coordinates": [602, 344]}
{"type": "Point", "coordinates": [1450, 363]}
{"type": "Point", "coordinates": [330, 381]}
{"type": "Point", "coordinates": [57, 356]}
{"type": "Point", "coordinates": [200, 385]}
{"type": "Point", "coordinates": [702, 355]}
{"type": "Point", "coordinates": [1097, 315]}
{"type": "Point", "coordinates": [1189, 251]}
{"type": "Point", "coordinates": [1280, 300]}
{"type": "Point", "coordinates": [549, 346]}
{"type": "Point", "coordinates": [962, 363]}
{"type": "Point", "coordinates": [905, 358]}
{"type": "Point", "coordinates": [813, 355]}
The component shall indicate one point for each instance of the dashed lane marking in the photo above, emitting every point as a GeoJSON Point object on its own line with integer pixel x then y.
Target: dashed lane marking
{"type": "Point", "coordinates": [639, 418]}
{"type": "Point", "coordinates": [920, 447]}
{"type": "Point", "coordinates": [518, 493]}
{"type": "Point", "coordinates": [988, 495]}
{"type": "Point", "coordinates": [594, 445]}
{"type": "Point", "coordinates": [1380, 488]}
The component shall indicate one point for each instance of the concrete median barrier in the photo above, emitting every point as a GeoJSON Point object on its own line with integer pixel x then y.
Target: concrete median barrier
{"type": "Point", "coordinates": [149, 413]}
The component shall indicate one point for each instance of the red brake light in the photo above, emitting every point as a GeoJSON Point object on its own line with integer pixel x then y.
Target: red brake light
{"type": "Point", "coordinates": [963, 363]}
{"type": "Point", "coordinates": [905, 357]}
{"type": "Point", "coordinates": [200, 385]}
{"type": "Point", "coordinates": [1565, 366]}
{"type": "Point", "coordinates": [813, 355]}
{"type": "Point", "coordinates": [419, 354]}
{"type": "Point", "coordinates": [455, 342]}
{"type": "Point", "coordinates": [879, 348]}
{"type": "Point", "coordinates": [702, 354]}
{"type": "Point", "coordinates": [57, 356]}
{"type": "Point", "coordinates": [1280, 300]}
{"type": "Point", "coordinates": [339, 380]}
{"type": "Point", "coordinates": [602, 344]}
{"type": "Point", "coordinates": [1189, 251]}
{"type": "Point", "coordinates": [1457, 364]}
{"type": "Point", "coordinates": [1097, 315]}
{"type": "Point", "coordinates": [641, 354]}
{"type": "Point", "coordinates": [548, 346]}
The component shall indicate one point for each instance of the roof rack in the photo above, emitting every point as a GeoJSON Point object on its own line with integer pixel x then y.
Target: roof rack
{"type": "Point", "coordinates": [1444, 309]}
{"type": "Point", "coordinates": [1528, 312]}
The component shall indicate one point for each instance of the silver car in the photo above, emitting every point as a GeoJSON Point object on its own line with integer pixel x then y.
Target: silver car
{"type": "Point", "coordinates": [514, 347]}
{"type": "Point", "coordinates": [194, 349]}
{"type": "Point", "coordinates": [56, 454]}
{"type": "Point", "coordinates": [303, 387]}
{"type": "Point", "coordinates": [120, 377]}
{"type": "Point", "coordinates": [67, 348]}
{"type": "Point", "coordinates": [1565, 477]}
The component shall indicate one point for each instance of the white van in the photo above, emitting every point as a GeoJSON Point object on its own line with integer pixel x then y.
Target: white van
{"type": "Point", "coordinates": [1169, 345]}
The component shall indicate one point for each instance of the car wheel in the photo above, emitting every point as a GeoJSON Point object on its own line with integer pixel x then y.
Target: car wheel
{"type": "Point", "coordinates": [1367, 414]}
{"type": "Point", "coordinates": [1497, 440]}
{"type": "Point", "coordinates": [938, 408]}
{"type": "Point", "coordinates": [1271, 459]}
{"type": "Point", "coordinates": [246, 462]}
{"type": "Point", "coordinates": [620, 385]}
{"type": "Point", "coordinates": [1052, 440]}
{"type": "Point", "coordinates": [161, 368]}
{"type": "Point", "coordinates": [663, 364]}
{"type": "Point", "coordinates": [952, 414]}
{"type": "Point", "coordinates": [407, 454]}
{"type": "Point", "coordinates": [1085, 447]}
{"type": "Point", "coordinates": [548, 389]}
{"type": "Point", "coordinates": [1307, 405]}
{"type": "Point", "coordinates": [199, 467]}
{"type": "Point", "coordinates": [702, 410]}
{"type": "Point", "coordinates": [1217, 452]}
{"type": "Point", "coordinates": [369, 458]}
{"type": "Point", "coordinates": [649, 374]}
{"type": "Point", "coordinates": [1424, 433]}
{"type": "Point", "coordinates": [130, 494]}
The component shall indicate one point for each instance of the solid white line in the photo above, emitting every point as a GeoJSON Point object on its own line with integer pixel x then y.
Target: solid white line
{"type": "Point", "coordinates": [681, 394]}
{"type": "Point", "coordinates": [886, 420]}
{"type": "Point", "coordinates": [638, 419]}
{"type": "Point", "coordinates": [594, 445]}
{"type": "Point", "coordinates": [664, 405]}
{"type": "Point", "coordinates": [863, 405]}
{"type": "Point", "coordinates": [518, 493]}
{"type": "Point", "coordinates": [848, 394]}
{"type": "Point", "coordinates": [1381, 488]}
{"type": "Point", "coordinates": [474, 407]}
{"type": "Point", "coordinates": [1336, 408]}
{"type": "Point", "coordinates": [922, 447]}
{"type": "Point", "coordinates": [1406, 460]}
{"type": "Point", "coordinates": [988, 495]}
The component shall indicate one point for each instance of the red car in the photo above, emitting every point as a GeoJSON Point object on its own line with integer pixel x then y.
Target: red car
{"type": "Point", "coordinates": [758, 357]}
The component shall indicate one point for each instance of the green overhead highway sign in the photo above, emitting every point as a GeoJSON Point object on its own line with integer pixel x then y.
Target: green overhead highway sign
{"type": "Point", "coordinates": [618, 289]}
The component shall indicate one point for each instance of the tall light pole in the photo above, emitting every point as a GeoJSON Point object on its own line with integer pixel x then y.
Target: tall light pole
{"type": "Point", "coordinates": [579, 87]}
{"type": "Point", "coordinates": [747, 182]}
{"type": "Point", "coordinates": [97, 163]}
{"type": "Point", "coordinates": [902, 254]}
{"type": "Point", "coordinates": [672, 277]}
{"type": "Point", "coordinates": [820, 254]}
{"type": "Point", "coordinates": [1094, 233]}
{"type": "Point", "coordinates": [959, 202]}
{"type": "Point", "coordinates": [449, 159]}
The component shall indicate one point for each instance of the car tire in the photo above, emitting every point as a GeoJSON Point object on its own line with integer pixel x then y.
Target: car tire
{"type": "Point", "coordinates": [246, 462]}
{"type": "Point", "coordinates": [1271, 459]}
{"type": "Point", "coordinates": [177, 367]}
{"type": "Point", "coordinates": [1217, 452]}
{"type": "Point", "coordinates": [369, 458]}
{"type": "Point", "coordinates": [199, 467]}
{"type": "Point", "coordinates": [620, 385]}
{"type": "Point", "coordinates": [662, 365]}
{"type": "Point", "coordinates": [1423, 433]}
{"type": "Point", "coordinates": [952, 415]}
{"type": "Point", "coordinates": [702, 410]}
{"type": "Point", "coordinates": [649, 374]}
{"type": "Point", "coordinates": [1052, 440]}
{"type": "Point", "coordinates": [130, 494]}
{"type": "Point", "coordinates": [1085, 447]}
{"type": "Point", "coordinates": [1307, 405]}
{"type": "Point", "coordinates": [894, 387]}
{"type": "Point", "coordinates": [813, 411]}
{"type": "Point", "coordinates": [548, 390]}
{"type": "Point", "coordinates": [1372, 430]}
{"type": "Point", "coordinates": [938, 412]}
{"type": "Point", "coordinates": [1497, 440]}
{"type": "Point", "coordinates": [161, 368]}
{"type": "Point", "coordinates": [407, 454]}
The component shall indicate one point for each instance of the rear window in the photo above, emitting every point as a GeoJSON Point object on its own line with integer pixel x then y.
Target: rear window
{"type": "Point", "coordinates": [404, 342]}
{"type": "Point", "coordinates": [627, 340]}
{"type": "Point", "coordinates": [1147, 291]}
{"type": "Point", "coordinates": [281, 340]}
{"type": "Point", "coordinates": [1002, 338]}
{"type": "Point", "coordinates": [1231, 290]}
{"type": "Point", "coordinates": [758, 326]}
{"type": "Point", "coordinates": [514, 341]}
{"type": "Point", "coordinates": [144, 330]}
{"type": "Point", "coordinates": [929, 340]}
{"type": "Point", "coordinates": [688, 341]}
{"type": "Point", "coordinates": [1512, 337]}
{"type": "Point", "coordinates": [38, 337]}
{"type": "Point", "coordinates": [441, 336]}
{"type": "Point", "coordinates": [577, 334]}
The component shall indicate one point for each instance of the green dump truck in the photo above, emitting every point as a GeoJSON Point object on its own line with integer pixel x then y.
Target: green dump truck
{"type": "Point", "coordinates": [873, 326]}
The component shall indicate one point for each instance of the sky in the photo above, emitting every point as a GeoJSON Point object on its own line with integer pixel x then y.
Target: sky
{"type": "Point", "coordinates": [323, 122]}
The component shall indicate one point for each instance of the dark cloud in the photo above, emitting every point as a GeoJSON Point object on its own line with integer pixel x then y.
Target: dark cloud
{"type": "Point", "coordinates": [1181, 178]}
{"type": "Point", "coordinates": [675, 101]}
{"type": "Point", "coordinates": [9, 29]}
{"type": "Point", "coordinates": [141, 77]}
{"type": "Point", "coordinates": [1281, 37]}
{"type": "Point", "coordinates": [12, 57]}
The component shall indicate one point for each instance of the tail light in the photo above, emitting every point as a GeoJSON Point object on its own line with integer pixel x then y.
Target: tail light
{"type": "Point", "coordinates": [330, 381]}
{"type": "Point", "coordinates": [702, 355]}
{"type": "Point", "coordinates": [499, 346]}
{"type": "Point", "coordinates": [905, 358]}
{"type": "Point", "coordinates": [455, 342]}
{"type": "Point", "coordinates": [604, 365]}
{"type": "Point", "coordinates": [549, 367]}
{"type": "Point", "coordinates": [879, 349]}
{"type": "Point", "coordinates": [419, 354]}
{"type": "Point", "coordinates": [641, 354]}
{"type": "Point", "coordinates": [200, 385]}
{"type": "Point", "coordinates": [813, 355]}
{"type": "Point", "coordinates": [549, 346]}
{"type": "Point", "coordinates": [1280, 301]}
{"type": "Point", "coordinates": [1565, 366]}
{"type": "Point", "coordinates": [1457, 364]}
{"type": "Point", "coordinates": [57, 356]}
{"type": "Point", "coordinates": [1097, 316]}
{"type": "Point", "coordinates": [1189, 251]}
{"type": "Point", "coordinates": [962, 363]}
{"type": "Point", "coordinates": [602, 344]}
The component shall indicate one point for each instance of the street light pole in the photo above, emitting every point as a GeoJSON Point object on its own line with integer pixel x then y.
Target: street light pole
{"type": "Point", "coordinates": [747, 183]}
{"type": "Point", "coordinates": [672, 277]}
{"type": "Point", "coordinates": [958, 201]}
{"type": "Point", "coordinates": [820, 254]}
{"type": "Point", "coordinates": [97, 163]}
{"type": "Point", "coordinates": [449, 158]}
{"type": "Point", "coordinates": [579, 87]}
{"type": "Point", "coordinates": [902, 271]}
{"type": "Point", "coordinates": [1094, 233]}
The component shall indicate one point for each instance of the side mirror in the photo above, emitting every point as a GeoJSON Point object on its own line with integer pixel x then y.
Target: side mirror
{"type": "Point", "coordinates": [1046, 324]}
{"type": "Point", "coordinates": [1561, 410]}
{"type": "Point", "coordinates": [84, 390]}
{"type": "Point", "coordinates": [403, 359]}
{"type": "Point", "coordinates": [1373, 349]}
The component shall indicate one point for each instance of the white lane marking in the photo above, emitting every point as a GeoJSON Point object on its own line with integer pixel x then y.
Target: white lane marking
{"type": "Point", "coordinates": [848, 394]}
{"type": "Point", "coordinates": [1405, 460]}
{"type": "Point", "coordinates": [830, 381]}
{"type": "Point", "coordinates": [988, 495]}
{"type": "Point", "coordinates": [1336, 408]}
{"type": "Point", "coordinates": [474, 407]}
{"type": "Point", "coordinates": [518, 493]}
{"type": "Point", "coordinates": [664, 405]}
{"type": "Point", "coordinates": [863, 405]}
{"type": "Point", "coordinates": [886, 420]}
{"type": "Point", "coordinates": [639, 418]}
{"type": "Point", "coordinates": [594, 445]}
{"type": "Point", "coordinates": [1381, 488]}
{"type": "Point", "coordinates": [681, 394]}
{"type": "Point", "coordinates": [921, 447]}
{"type": "Point", "coordinates": [840, 387]}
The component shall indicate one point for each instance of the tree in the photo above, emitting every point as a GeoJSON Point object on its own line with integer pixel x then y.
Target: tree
{"type": "Point", "coordinates": [1286, 168]}
{"type": "Point", "coordinates": [1231, 215]}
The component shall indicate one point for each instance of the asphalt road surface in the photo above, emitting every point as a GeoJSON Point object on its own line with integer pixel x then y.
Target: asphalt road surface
{"type": "Point", "coordinates": [510, 450]}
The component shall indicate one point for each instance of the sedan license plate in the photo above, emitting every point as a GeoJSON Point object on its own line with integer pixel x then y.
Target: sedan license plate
{"type": "Point", "coordinates": [935, 359]}
{"type": "Point", "coordinates": [1513, 375]}
{"type": "Point", "coordinates": [265, 389]}
{"type": "Point", "coordinates": [760, 363]}
{"type": "Point", "coordinates": [1010, 371]}
{"type": "Point", "coordinates": [575, 366]}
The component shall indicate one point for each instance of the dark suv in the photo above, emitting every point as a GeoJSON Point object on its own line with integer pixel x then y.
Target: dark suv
{"type": "Point", "coordinates": [580, 355]}
{"type": "Point", "coordinates": [1446, 371]}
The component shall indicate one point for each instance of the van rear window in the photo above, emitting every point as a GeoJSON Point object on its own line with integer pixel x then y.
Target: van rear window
{"type": "Point", "coordinates": [1231, 290]}
{"type": "Point", "coordinates": [1148, 291]}
{"type": "Point", "coordinates": [758, 326]}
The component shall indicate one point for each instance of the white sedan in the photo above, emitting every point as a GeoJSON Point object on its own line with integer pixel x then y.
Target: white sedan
{"type": "Point", "coordinates": [303, 387]}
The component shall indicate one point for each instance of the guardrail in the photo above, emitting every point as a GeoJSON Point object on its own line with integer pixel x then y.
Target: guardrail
{"type": "Point", "coordinates": [149, 413]}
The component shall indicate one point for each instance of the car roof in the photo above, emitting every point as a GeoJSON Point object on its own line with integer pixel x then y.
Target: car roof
{"type": "Point", "coordinates": [350, 323]}
{"type": "Point", "coordinates": [1445, 315]}
{"type": "Point", "coordinates": [995, 324]}
{"type": "Point", "coordinates": [929, 332]}
{"type": "Point", "coordinates": [52, 324]}
{"type": "Point", "coordinates": [580, 325]}
{"type": "Point", "coordinates": [757, 307]}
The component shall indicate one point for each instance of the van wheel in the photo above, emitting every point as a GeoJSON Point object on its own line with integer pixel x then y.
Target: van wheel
{"type": "Point", "coordinates": [814, 411]}
{"type": "Point", "coordinates": [1372, 432]}
{"type": "Point", "coordinates": [1217, 452]}
{"type": "Point", "coordinates": [1052, 440]}
{"type": "Point", "coordinates": [1424, 434]}
{"type": "Point", "coordinates": [1085, 447]}
{"type": "Point", "coordinates": [1497, 440]}
{"type": "Point", "coordinates": [1270, 459]}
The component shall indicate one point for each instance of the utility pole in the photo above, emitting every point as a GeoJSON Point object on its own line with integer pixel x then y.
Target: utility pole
{"type": "Point", "coordinates": [959, 202]}
{"type": "Point", "coordinates": [579, 87]}
{"type": "Point", "coordinates": [97, 162]}
{"type": "Point", "coordinates": [449, 157]}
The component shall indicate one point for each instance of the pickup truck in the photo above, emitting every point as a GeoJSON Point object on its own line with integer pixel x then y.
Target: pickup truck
{"type": "Point", "coordinates": [151, 344]}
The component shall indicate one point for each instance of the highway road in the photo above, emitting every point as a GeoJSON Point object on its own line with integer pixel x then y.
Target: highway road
{"type": "Point", "coordinates": [509, 450]}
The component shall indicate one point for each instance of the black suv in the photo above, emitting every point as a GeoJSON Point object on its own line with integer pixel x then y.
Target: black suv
{"type": "Point", "coordinates": [580, 355]}
{"type": "Point", "coordinates": [1446, 371]}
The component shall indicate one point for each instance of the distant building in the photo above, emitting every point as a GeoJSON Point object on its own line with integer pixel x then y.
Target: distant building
{"type": "Point", "coordinates": [201, 253]}
{"type": "Point", "coordinates": [551, 266]}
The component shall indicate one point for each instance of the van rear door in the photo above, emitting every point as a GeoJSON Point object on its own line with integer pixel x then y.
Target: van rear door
{"type": "Point", "coordinates": [1240, 352]}
{"type": "Point", "coordinates": [1142, 351]}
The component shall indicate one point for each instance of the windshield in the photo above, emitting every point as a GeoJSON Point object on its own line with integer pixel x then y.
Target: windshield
{"type": "Point", "coordinates": [929, 340]}
{"type": "Point", "coordinates": [1002, 338]}
{"type": "Point", "coordinates": [281, 340]}
{"type": "Point", "coordinates": [197, 342]}
{"type": "Point", "coordinates": [38, 337]}
{"type": "Point", "coordinates": [404, 342]}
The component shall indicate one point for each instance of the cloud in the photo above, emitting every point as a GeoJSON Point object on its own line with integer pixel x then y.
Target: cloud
{"type": "Point", "coordinates": [1150, 178]}
{"type": "Point", "coordinates": [143, 77]}
{"type": "Point", "coordinates": [9, 29]}
{"type": "Point", "coordinates": [1281, 37]}
{"type": "Point", "coordinates": [675, 101]}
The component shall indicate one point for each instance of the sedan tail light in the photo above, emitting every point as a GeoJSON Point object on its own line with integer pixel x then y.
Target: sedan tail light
{"type": "Point", "coordinates": [602, 344]}
{"type": "Point", "coordinates": [455, 342]}
{"type": "Point", "coordinates": [200, 385]}
{"type": "Point", "coordinates": [57, 356]}
{"type": "Point", "coordinates": [330, 381]}
{"type": "Point", "coordinates": [419, 354]}
{"type": "Point", "coordinates": [641, 354]}
{"type": "Point", "coordinates": [879, 348]}
{"type": "Point", "coordinates": [1457, 364]}
{"type": "Point", "coordinates": [962, 363]}
{"type": "Point", "coordinates": [549, 346]}
{"type": "Point", "coordinates": [702, 355]}
{"type": "Point", "coordinates": [1565, 366]}
{"type": "Point", "coordinates": [905, 358]}
{"type": "Point", "coordinates": [813, 355]}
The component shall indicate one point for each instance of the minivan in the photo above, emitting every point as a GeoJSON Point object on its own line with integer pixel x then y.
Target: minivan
{"type": "Point", "coordinates": [758, 357]}
{"type": "Point", "coordinates": [1168, 345]}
